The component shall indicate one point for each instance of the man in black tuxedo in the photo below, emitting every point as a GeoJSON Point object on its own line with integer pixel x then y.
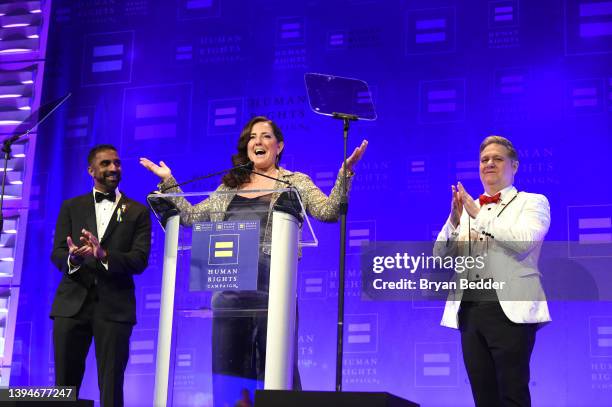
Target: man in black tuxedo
{"type": "Point", "coordinates": [102, 238]}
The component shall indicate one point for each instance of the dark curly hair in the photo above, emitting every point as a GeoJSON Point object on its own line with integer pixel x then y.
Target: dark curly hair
{"type": "Point", "coordinates": [236, 178]}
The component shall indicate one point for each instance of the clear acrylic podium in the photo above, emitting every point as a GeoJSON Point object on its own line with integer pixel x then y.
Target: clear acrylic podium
{"type": "Point", "coordinates": [284, 230]}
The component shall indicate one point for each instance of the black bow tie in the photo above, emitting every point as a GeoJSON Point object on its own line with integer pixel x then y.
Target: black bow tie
{"type": "Point", "coordinates": [110, 196]}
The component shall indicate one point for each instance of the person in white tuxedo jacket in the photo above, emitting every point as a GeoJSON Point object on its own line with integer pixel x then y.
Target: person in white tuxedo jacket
{"type": "Point", "coordinates": [498, 326]}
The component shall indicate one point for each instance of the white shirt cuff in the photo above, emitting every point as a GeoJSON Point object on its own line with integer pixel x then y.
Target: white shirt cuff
{"type": "Point", "coordinates": [71, 268]}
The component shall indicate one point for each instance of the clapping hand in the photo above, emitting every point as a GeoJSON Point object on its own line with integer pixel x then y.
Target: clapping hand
{"type": "Point", "coordinates": [161, 170]}
{"type": "Point", "coordinates": [91, 248]}
{"type": "Point", "coordinates": [468, 202]}
{"type": "Point", "coordinates": [88, 239]}
{"type": "Point", "coordinates": [76, 254]}
{"type": "Point", "coordinates": [456, 207]}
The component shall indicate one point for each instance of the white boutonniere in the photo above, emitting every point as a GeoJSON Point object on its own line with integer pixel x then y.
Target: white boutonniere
{"type": "Point", "coordinates": [120, 212]}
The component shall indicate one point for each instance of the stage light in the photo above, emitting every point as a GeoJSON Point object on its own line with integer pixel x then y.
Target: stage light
{"type": "Point", "coordinates": [16, 25]}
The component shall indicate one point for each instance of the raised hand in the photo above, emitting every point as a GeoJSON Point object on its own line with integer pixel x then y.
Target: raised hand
{"type": "Point", "coordinates": [456, 207]}
{"type": "Point", "coordinates": [356, 156]}
{"type": "Point", "coordinates": [468, 202]}
{"type": "Point", "coordinates": [161, 170]}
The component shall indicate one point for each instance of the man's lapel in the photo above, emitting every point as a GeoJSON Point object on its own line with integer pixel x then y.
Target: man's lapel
{"type": "Point", "coordinates": [114, 221]}
{"type": "Point", "coordinates": [505, 200]}
{"type": "Point", "coordinates": [90, 215]}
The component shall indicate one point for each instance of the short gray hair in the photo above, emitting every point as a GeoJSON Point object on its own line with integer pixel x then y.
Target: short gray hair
{"type": "Point", "coordinates": [501, 141]}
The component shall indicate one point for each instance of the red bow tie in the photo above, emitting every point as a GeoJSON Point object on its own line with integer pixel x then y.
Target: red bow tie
{"type": "Point", "coordinates": [485, 199]}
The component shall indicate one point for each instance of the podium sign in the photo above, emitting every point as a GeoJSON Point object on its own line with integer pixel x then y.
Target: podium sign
{"type": "Point", "coordinates": [224, 256]}
{"type": "Point", "coordinates": [218, 248]}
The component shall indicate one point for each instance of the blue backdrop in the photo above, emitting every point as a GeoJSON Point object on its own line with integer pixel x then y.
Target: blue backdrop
{"type": "Point", "coordinates": [176, 80]}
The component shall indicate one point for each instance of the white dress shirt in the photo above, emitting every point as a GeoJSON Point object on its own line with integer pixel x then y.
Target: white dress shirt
{"type": "Point", "coordinates": [104, 212]}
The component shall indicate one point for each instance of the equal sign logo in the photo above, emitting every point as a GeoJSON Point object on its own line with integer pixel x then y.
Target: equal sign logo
{"type": "Point", "coordinates": [223, 249]}
{"type": "Point", "coordinates": [198, 4]}
{"type": "Point", "coordinates": [193, 9]}
{"type": "Point", "coordinates": [149, 300]}
{"type": "Point", "coordinates": [184, 53]}
{"type": "Point", "coordinates": [595, 230]}
{"type": "Point", "coordinates": [604, 336]}
{"type": "Point", "coordinates": [590, 231]}
{"type": "Point", "coordinates": [78, 126]}
{"type": "Point", "coordinates": [337, 40]}
{"type": "Point", "coordinates": [600, 336]}
{"type": "Point", "coordinates": [510, 83]}
{"type": "Point", "coordinates": [361, 333]}
{"type": "Point", "coordinates": [224, 116]}
{"type": "Point", "coordinates": [417, 166]}
{"type": "Point", "coordinates": [62, 14]}
{"type": "Point", "coordinates": [442, 101]}
{"type": "Point", "coordinates": [595, 19]}
{"type": "Point", "coordinates": [467, 170]}
{"type": "Point", "coordinates": [184, 359]}
{"type": "Point", "coordinates": [325, 179]}
{"type": "Point", "coordinates": [586, 95]}
{"type": "Point", "coordinates": [153, 113]}
{"type": "Point", "coordinates": [290, 30]}
{"type": "Point", "coordinates": [588, 27]}
{"type": "Point", "coordinates": [155, 120]}
{"type": "Point", "coordinates": [430, 31]}
{"type": "Point", "coordinates": [108, 58]}
{"type": "Point", "coordinates": [152, 301]}
{"type": "Point", "coordinates": [142, 351]}
{"type": "Point", "coordinates": [435, 364]}
{"type": "Point", "coordinates": [503, 13]}
{"type": "Point", "coordinates": [358, 233]}
{"type": "Point", "coordinates": [313, 285]}
{"type": "Point", "coordinates": [363, 98]}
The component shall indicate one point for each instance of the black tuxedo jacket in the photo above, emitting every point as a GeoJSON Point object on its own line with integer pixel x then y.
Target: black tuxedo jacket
{"type": "Point", "coordinates": [127, 240]}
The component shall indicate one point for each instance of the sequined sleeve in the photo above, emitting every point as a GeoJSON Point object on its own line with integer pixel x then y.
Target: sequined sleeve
{"type": "Point", "coordinates": [189, 213]}
{"type": "Point", "coordinates": [316, 203]}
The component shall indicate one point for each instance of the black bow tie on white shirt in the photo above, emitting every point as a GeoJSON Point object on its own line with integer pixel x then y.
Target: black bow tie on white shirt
{"type": "Point", "coordinates": [111, 196]}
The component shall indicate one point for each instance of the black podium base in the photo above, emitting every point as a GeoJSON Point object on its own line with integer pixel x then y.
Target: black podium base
{"type": "Point", "coordinates": [284, 398]}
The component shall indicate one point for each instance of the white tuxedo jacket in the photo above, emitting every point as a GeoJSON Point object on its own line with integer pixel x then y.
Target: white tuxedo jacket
{"type": "Point", "coordinates": [515, 230]}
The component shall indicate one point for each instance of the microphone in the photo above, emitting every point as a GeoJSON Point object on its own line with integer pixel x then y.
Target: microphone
{"type": "Point", "coordinates": [287, 202]}
{"type": "Point", "coordinates": [247, 166]}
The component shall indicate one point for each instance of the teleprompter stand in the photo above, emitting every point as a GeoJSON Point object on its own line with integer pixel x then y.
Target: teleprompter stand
{"type": "Point", "coordinates": [348, 100]}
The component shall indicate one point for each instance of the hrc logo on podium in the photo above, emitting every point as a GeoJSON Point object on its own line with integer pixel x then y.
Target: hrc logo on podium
{"type": "Point", "coordinates": [223, 249]}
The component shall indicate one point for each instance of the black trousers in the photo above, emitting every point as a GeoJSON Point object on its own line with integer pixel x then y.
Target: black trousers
{"type": "Point", "coordinates": [239, 353]}
{"type": "Point", "coordinates": [71, 341]}
{"type": "Point", "coordinates": [496, 353]}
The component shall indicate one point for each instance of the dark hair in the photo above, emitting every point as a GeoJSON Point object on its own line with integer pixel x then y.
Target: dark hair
{"type": "Point", "coordinates": [501, 141]}
{"type": "Point", "coordinates": [235, 178]}
{"type": "Point", "coordinates": [96, 149]}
